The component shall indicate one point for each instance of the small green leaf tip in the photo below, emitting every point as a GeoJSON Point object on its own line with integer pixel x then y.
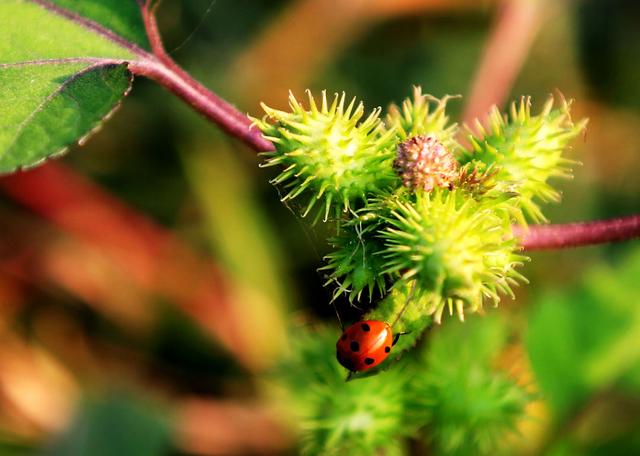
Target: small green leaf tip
{"type": "Point", "coordinates": [331, 153]}
{"type": "Point", "coordinates": [527, 150]}
{"type": "Point", "coordinates": [458, 250]}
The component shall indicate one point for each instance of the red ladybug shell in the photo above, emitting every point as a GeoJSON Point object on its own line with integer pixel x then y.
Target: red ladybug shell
{"type": "Point", "coordinates": [364, 344]}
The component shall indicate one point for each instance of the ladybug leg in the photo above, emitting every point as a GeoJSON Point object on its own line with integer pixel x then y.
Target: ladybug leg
{"type": "Point", "coordinates": [397, 336]}
{"type": "Point", "coordinates": [349, 376]}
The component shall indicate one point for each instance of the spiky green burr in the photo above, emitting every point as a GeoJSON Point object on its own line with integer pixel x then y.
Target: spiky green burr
{"type": "Point", "coordinates": [526, 150]}
{"type": "Point", "coordinates": [423, 115]}
{"type": "Point", "coordinates": [415, 206]}
{"type": "Point", "coordinates": [330, 154]}
{"type": "Point", "coordinates": [456, 249]}
{"type": "Point", "coordinates": [355, 264]}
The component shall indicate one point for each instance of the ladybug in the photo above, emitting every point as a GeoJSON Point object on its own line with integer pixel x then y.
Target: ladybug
{"type": "Point", "coordinates": [365, 344]}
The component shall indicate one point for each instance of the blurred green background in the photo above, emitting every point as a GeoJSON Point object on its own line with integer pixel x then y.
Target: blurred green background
{"type": "Point", "coordinates": [111, 346]}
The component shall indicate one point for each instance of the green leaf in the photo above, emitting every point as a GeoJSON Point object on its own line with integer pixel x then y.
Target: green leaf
{"type": "Point", "coordinates": [585, 341]}
{"type": "Point", "coordinates": [62, 72]}
{"type": "Point", "coordinates": [59, 106]}
{"type": "Point", "coordinates": [553, 344]}
{"type": "Point", "coordinates": [121, 16]}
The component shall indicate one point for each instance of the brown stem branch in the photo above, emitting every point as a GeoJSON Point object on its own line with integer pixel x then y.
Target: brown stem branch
{"type": "Point", "coordinates": [165, 71]}
{"type": "Point", "coordinates": [202, 100]}
{"type": "Point", "coordinates": [153, 34]}
{"type": "Point", "coordinates": [547, 237]}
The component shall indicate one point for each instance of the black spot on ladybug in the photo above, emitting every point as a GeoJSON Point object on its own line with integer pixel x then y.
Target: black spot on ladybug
{"type": "Point", "coordinates": [355, 346]}
{"type": "Point", "coordinates": [345, 362]}
{"type": "Point", "coordinates": [369, 361]}
{"type": "Point", "coordinates": [387, 349]}
{"type": "Point", "coordinates": [344, 337]}
{"type": "Point", "coordinates": [365, 327]}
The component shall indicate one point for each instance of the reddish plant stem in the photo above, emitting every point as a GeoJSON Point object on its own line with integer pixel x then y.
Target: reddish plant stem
{"type": "Point", "coordinates": [154, 259]}
{"type": "Point", "coordinates": [202, 100]}
{"type": "Point", "coordinates": [153, 34]}
{"type": "Point", "coordinates": [165, 71]}
{"type": "Point", "coordinates": [547, 237]}
{"type": "Point", "coordinates": [511, 37]}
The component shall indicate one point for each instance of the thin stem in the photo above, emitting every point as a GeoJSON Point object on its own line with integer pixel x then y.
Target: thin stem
{"type": "Point", "coordinates": [153, 34]}
{"type": "Point", "coordinates": [165, 71]}
{"type": "Point", "coordinates": [504, 54]}
{"type": "Point", "coordinates": [548, 237]}
{"type": "Point", "coordinates": [204, 101]}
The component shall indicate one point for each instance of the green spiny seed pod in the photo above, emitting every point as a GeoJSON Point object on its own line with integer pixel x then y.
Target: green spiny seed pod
{"type": "Point", "coordinates": [355, 264]}
{"type": "Point", "coordinates": [479, 181]}
{"type": "Point", "coordinates": [329, 152]}
{"type": "Point", "coordinates": [477, 178]}
{"type": "Point", "coordinates": [527, 150]}
{"type": "Point", "coordinates": [420, 117]}
{"type": "Point", "coordinates": [454, 247]}
{"type": "Point", "coordinates": [422, 162]}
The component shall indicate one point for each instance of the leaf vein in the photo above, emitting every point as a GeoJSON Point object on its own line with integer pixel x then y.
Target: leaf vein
{"type": "Point", "coordinates": [92, 26]}
{"type": "Point", "coordinates": [63, 61]}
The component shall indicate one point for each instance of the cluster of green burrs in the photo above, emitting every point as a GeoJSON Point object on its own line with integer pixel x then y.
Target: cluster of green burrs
{"type": "Point", "coordinates": [449, 393]}
{"type": "Point", "coordinates": [420, 216]}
